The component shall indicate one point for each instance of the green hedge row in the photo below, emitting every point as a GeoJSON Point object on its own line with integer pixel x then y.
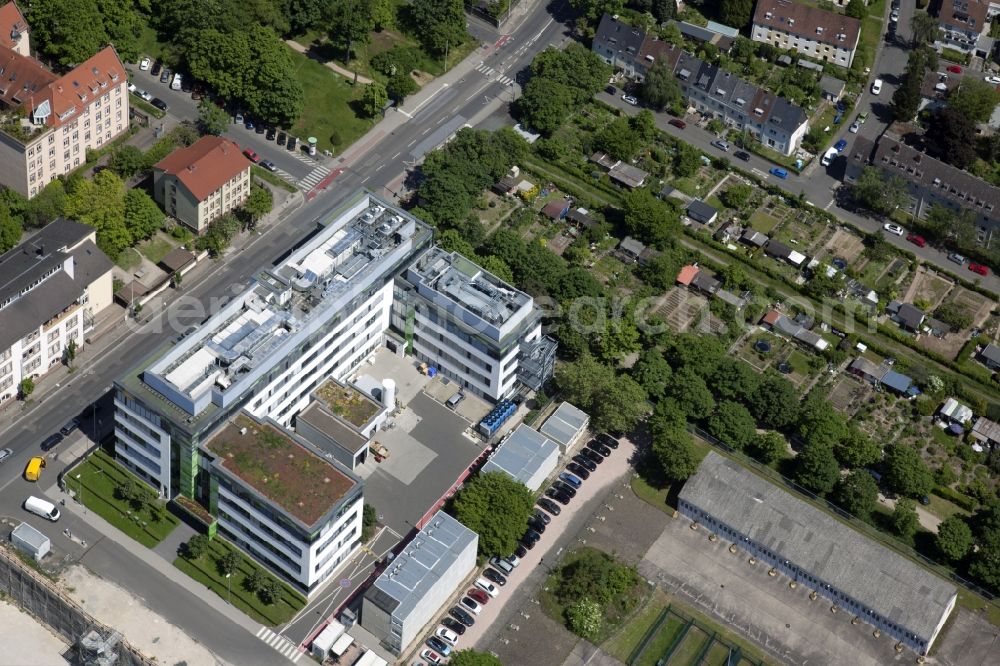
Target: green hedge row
{"type": "Point", "coordinates": [960, 499]}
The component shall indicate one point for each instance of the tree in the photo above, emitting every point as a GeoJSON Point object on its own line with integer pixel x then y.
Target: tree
{"type": "Point", "coordinates": [734, 380]}
{"type": "Point", "coordinates": [674, 449]}
{"type": "Point", "coordinates": [974, 98]}
{"type": "Point", "coordinates": [984, 564]}
{"type": "Point", "coordinates": [649, 218]}
{"type": "Point", "coordinates": [952, 136]}
{"type": "Point", "coordinates": [303, 15]}
{"type": "Point", "coordinates": [212, 118]}
{"type": "Point", "coordinates": [732, 424]}
{"type": "Point", "coordinates": [593, 9]}
{"type": "Point", "coordinates": [469, 657]}
{"type": "Point", "coordinates": [259, 203]}
{"type": "Point", "coordinates": [10, 229]}
{"type": "Point", "coordinates": [774, 404]}
{"type": "Point", "coordinates": [737, 196]}
{"type": "Point", "coordinates": [905, 471]}
{"type": "Point", "coordinates": [440, 24]}
{"type": "Point", "coordinates": [736, 12]}
{"type": "Point", "coordinates": [652, 372]}
{"type": "Point", "coordinates": [691, 394]}
{"type": "Point", "coordinates": [877, 193]}
{"type": "Point", "coordinates": [230, 563]}
{"type": "Point", "coordinates": [954, 538]}
{"type": "Point", "coordinates": [857, 493]}
{"type": "Point", "coordinates": [401, 86]}
{"type": "Point", "coordinates": [954, 315]}
{"type": "Point", "coordinates": [70, 352]}
{"type": "Point", "coordinates": [497, 508]}
{"type": "Point", "coordinates": [269, 591]}
{"type": "Point", "coordinates": [904, 518]}
{"type": "Point", "coordinates": [142, 215]}
{"type": "Point", "coordinates": [618, 140]}
{"type": "Point", "coordinates": [220, 233]}
{"type": "Point", "coordinates": [47, 205]}
{"type": "Point", "coordinates": [101, 204]}
{"type": "Point", "coordinates": [195, 547]}
{"type": "Point", "coordinates": [906, 98]}
{"type": "Point", "coordinates": [614, 402]}
{"type": "Point", "coordinates": [820, 423]}
{"type": "Point", "coordinates": [255, 580]}
{"type": "Point", "coordinates": [856, 9]}
{"type": "Point", "coordinates": [585, 618]}
{"type": "Point", "coordinates": [857, 449]}
{"type": "Point", "coordinates": [369, 519]}
{"type": "Point", "coordinates": [660, 89]}
{"type": "Point", "coordinates": [374, 99]}
{"type": "Point", "coordinates": [687, 160]}
{"type": "Point", "coordinates": [350, 23]}
{"type": "Point", "coordinates": [69, 31]}
{"type": "Point", "coordinates": [924, 28]}
{"type": "Point", "coordinates": [769, 447]}
{"type": "Point", "coordinates": [127, 161]}
{"type": "Point", "coordinates": [816, 468]}
{"type": "Point", "coordinates": [26, 387]}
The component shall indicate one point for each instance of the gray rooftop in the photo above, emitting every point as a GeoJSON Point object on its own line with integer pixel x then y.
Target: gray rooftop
{"type": "Point", "coordinates": [339, 433]}
{"type": "Point", "coordinates": [522, 453]}
{"type": "Point", "coordinates": [991, 352]}
{"type": "Point", "coordinates": [910, 315]}
{"type": "Point", "coordinates": [29, 535]}
{"type": "Point", "coordinates": [700, 210]}
{"type": "Point", "coordinates": [435, 549]}
{"type": "Point", "coordinates": [565, 424]}
{"type": "Point", "coordinates": [619, 37]}
{"type": "Point", "coordinates": [816, 542]}
{"type": "Point", "coordinates": [38, 256]}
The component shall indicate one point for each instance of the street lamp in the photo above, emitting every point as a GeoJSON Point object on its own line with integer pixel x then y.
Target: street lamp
{"type": "Point", "coordinates": [131, 284]}
{"type": "Point", "coordinates": [80, 483]}
{"type": "Point", "coordinates": [229, 589]}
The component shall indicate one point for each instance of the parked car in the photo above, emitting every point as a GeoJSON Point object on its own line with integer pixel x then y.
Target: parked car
{"type": "Point", "coordinates": [478, 596]}
{"type": "Point", "coordinates": [530, 536]}
{"type": "Point", "coordinates": [131, 87]}
{"type": "Point", "coordinates": [270, 134]}
{"type": "Point", "coordinates": [139, 92]}
{"type": "Point", "coordinates": [144, 64]}
{"type": "Point", "coordinates": [979, 268]}
{"type": "Point", "coordinates": [607, 440]}
{"type": "Point", "coordinates": [549, 506]}
{"type": "Point", "coordinates": [570, 479]}
{"type": "Point", "coordinates": [453, 625]}
{"type": "Point", "coordinates": [580, 472]}
{"type": "Point", "coordinates": [471, 605]}
{"type": "Point", "coordinates": [489, 588]}
{"type": "Point", "coordinates": [536, 525]}
{"type": "Point", "coordinates": [721, 145]}
{"type": "Point", "coordinates": [431, 656]}
{"type": "Point", "coordinates": [501, 564]}
{"type": "Point", "coordinates": [594, 445]}
{"type": "Point", "coordinates": [248, 123]}
{"type": "Point", "coordinates": [954, 69]}
{"type": "Point", "coordinates": [462, 616]}
{"type": "Point", "coordinates": [251, 155]}
{"type": "Point", "coordinates": [292, 142]}
{"type": "Point", "coordinates": [542, 516]}
{"type": "Point", "coordinates": [259, 128]}
{"type": "Point", "coordinates": [564, 487]}
{"type": "Point", "coordinates": [269, 165]}
{"type": "Point", "coordinates": [779, 172]}
{"type": "Point", "coordinates": [281, 138]}
{"type": "Point", "coordinates": [165, 75]}
{"type": "Point", "coordinates": [917, 240]}
{"type": "Point", "coordinates": [558, 495]}
{"type": "Point", "coordinates": [995, 80]}
{"type": "Point", "coordinates": [519, 553]}
{"type": "Point", "coordinates": [840, 145]}
{"type": "Point", "coordinates": [5, 455]}
{"type": "Point", "coordinates": [863, 117]}
{"type": "Point", "coordinates": [70, 426]}
{"type": "Point", "coordinates": [742, 155]}
{"type": "Point", "coordinates": [51, 442]}
{"type": "Point", "coordinates": [893, 229]}
{"type": "Point", "coordinates": [853, 129]}
{"type": "Point", "coordinates": [42, 508]}
{"type": "Point", "coordinates": [677, 122]}
{"type": "Point", "coordinates": [876, 86]}
{"type": "Point", "coordinates": [177, 82]}
{"type": "Point", "coordinates": [155, 69]}
{"type": "Point", "coordinates": [447, 635]}
{"type": "Point", "coordinates": [158, 103]}
{"type": "Point", "coordinates": [495, 576]}
{"type": "Point", "coordinates": [628, 99]}
{"type": "Point", "coordinates": [239, 119]}
{"type": "Point", "coordinates": [957, 258]}
{"type": "Point", "coordinates": [594, 457]}
{"type": "Point", "coordinates": [585, 462]}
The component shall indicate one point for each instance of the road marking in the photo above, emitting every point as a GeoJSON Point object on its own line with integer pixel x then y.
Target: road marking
{"type": "Point", "coordinates": [425, 131]}
{"type": "Point", "coordinates": [367, 178]}
{"type": "Point", "coordinates": [411, 143]}
{"type": "Point", "coordinates": [379, 167]}
{"type": "Point", "coordinates": [396, 155]}
{"type": "Point", "coordinates": [481, 88]}
{"type": "Point", "coordinates": [280, 644]}
{"type": "Point", "coordinates": [432, 95]}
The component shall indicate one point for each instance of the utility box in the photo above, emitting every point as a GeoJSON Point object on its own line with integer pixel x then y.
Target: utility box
{"type": "Point", "coordinates": [29, 540]}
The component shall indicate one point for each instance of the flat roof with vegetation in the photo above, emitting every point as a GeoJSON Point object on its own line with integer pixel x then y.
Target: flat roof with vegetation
{"type": "Point", "coordinates": [348, 402]}
{"type": "Point", "coordinates": [280, 469]}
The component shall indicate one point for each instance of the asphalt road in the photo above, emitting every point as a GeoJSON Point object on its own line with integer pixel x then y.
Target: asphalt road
{"type": "Point", "coordinates": [380, 167]}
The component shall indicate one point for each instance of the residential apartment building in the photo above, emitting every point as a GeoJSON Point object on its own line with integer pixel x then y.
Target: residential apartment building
{"type": "Point", "coordinates": [418, 582]}
{"type": "Point", "coordinates": [280, 502]}
{"type": "Point", "coordinates": [51, 288]}
{"type": "Point", "coordinates": [319, 313]}
{"type": "Point", "coordinates": [618, 44]}
{"type": "Point", "coordinates": [470, 324]}
{"type": "Point", "coordinates": [49, 122]}
{"type": "Point", "coordinates": [929, 181]}
{"type": "Point", "coordinates": [774, 121]}
{"type": "Point", "coordinates": [820, 34]}
{"type": "Point", "coordinates": [963, 25]}
{"type": "Point", "coordinates": [202, 182]}
{"type": "Point", "coordinates": [14, 30]}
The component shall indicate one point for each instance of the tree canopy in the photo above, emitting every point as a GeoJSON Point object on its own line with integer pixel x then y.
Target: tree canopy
{"type": "Point", "coordinates": [857, 493]}
{"type": "Point", "coordinates": [816, 468]}
{"type": "Point", "coordinates": [440, 24]}
{"type": "Point", "coordinates": [561, 80]}
{"type": "Point", "coordinates": [469, 657]}
{"type": "Point", "coordinates": [954, 538]}
{"type": "Point", "coordinates": [659, 88]}
{"type": "Point", "coordinates": [906, 472]}
{"type": "Point", "coordinates": [877, 193]}
{"type": "Point", "coordinates": [732, 424]}
{"type": "Point", "coordinates": [71, 31]}
{"type": "Point", "coordinates": [497, 508]}
{"type": "Point", "coordinates": [614, 402]}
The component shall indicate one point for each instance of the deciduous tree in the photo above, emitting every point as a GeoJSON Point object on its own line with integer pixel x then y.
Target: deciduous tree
{"type": "Point", "coordinates": [469, 657]}
{"type": "Point", "coordinates": [660, 89]}
{"type": "Point", "coordinates": [924, 28]}
{"type": "Point", "coordinates": [496, 507]}
{"type": "Point", "coordinates": [904, 518]}
{"type": "Point", "coordinates": [974, 98]}
{"type": "Point", "coordinates": [816, 468]}
{"type": "Point", "coordinates": [877, 193]}
{"type": "Point", "coordinates": [857, 449]}
{"type": "Point", "coordinates": [774, 404]}
{"type": "Point", "coordinates": [952, 136]}
{"type": "Point", "coordinates": [954, 538]}
{"type": "Point", "coordinates": [857, 493]}
{"type": "Point", "coordinates": [212, 119]}
{"type": "Point", "coordinates": [769, 446]}
{"type": "Point", "coordinates": [905, 471]}
{"type": "Point", "coordinates": [691, 394]}
{"type": "Point", "coordinates": [143, 216]}
{"type": "Point", "coordinates": [10, 229]}
{"type": "Point", "coordinates": [440, 24]}
{"type": "Point", "coordinates": [374, 99]}
{"type": "Point", "coordinates": [732, 424]}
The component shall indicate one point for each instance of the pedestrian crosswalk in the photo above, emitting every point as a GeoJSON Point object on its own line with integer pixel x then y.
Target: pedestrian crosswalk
{"type": "Point", "coordinates": [281, 644]}
{"type": "Point", "coordinates": [313, 178]}
{"type": "Point", "coordinates": [489, 72]}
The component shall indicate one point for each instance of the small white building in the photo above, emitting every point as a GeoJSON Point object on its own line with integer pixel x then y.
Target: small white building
{"type": "Point", "coordinates": [324, 642]}
{"type": "Point", "coordinates": [526, 456]}
{"type": "Point", "coordinates": [566, 425]}
{"type": "Point", "coordinates": [953, 411]}
{"type": "Point", "coordinates": [30, 541]}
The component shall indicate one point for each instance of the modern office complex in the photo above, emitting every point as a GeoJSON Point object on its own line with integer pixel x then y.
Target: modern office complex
{"type": "Point", "coordinates": [418, 582]}
{"type": "Point", "coordinates": [476, 328]}
{"type": "Point", "coordinates": [278, 501]}
{"type": "Point", "coordinates": [51, 288]}
{"type": "Point", "coordinates": [824, 35]}
{"type": "Point", "coordinates": [811, 547]}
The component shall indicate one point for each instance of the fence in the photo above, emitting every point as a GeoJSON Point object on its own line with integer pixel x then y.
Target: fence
{"type": "Point", "coordinates": [667, 622]}
{"type": "Point", "coordinates": [850, 519]}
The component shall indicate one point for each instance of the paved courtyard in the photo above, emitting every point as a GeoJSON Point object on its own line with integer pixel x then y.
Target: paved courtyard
{"type": "Point", "coordinates": [26, 641]}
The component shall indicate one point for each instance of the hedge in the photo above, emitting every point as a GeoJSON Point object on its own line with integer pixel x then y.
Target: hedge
{"type": "Point", "coordinates": [960, 499]}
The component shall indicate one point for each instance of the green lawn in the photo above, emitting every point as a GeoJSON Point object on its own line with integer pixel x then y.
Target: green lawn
{"type": "Point", "coordinates": [621, 645]}
{"type": "Point", "coordinates": [799, 363]}
{"type": "Point", "coordinates": [942, 508]}
{"type": "Point", "coordinates": [762, 222]}
{"type": "Point", "coordinates": [99, 476]}
{"type": "Point", "coordinates": [205, 570]}
{"type": "Point", "coordinates": [661, 642]}
{"type": "Point", "coordinates": [328, 111]}
{"type": "Point", "coordinates": [128, 261]}
{"type": "Point", "coordinates": [272, 178]}
{"type": "Point", "coordinates": [687, 652]}
{"type": "Point", "coordinates": [156, 248]}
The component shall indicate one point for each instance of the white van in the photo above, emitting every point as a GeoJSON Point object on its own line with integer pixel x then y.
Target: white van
{"type": "Point", "coordinates": [176, 83]}
{"type": "Point", "coordinates": [828, 156]}
{"type": "Point", "coordinates": [43, 508]}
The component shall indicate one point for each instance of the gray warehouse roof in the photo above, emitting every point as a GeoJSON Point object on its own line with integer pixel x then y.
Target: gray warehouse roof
{"type": "Point", "coordinates": [521, 454]}
{"type": "Point", "coordinates": [565, 424]}
{"type": "Point", "coordinates": [417, 569]}
{"type": "Point", "coordinates": [811, 539]}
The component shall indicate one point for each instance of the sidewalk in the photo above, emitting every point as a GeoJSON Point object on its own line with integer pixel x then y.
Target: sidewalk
{"type": "Point", "coordinates": [346, 73]}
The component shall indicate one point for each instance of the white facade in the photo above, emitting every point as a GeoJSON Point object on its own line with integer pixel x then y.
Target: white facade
{"type": "Point", "coordinates": [839, 54]}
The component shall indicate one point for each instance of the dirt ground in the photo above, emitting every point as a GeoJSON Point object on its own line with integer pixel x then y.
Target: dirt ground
{"type": "Point", "coordinates": [680, 308]}
{"type": "Point", "coordinates": [847, 393]}
{"type": "Point", "coordinates": [27, 642]}
{"type": "Point", "coordinates": [929, 287]}
{"type": "Point", "coordinates": [845, 245]}
{"type": "Point", "coordinates": [977, 305]}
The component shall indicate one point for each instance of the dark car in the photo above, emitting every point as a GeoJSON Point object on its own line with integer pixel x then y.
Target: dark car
{"type": "Point", "coordinates": [536, 525]}
{"type": "Point", "coordinates": [159, 103]}
{"type": "Point", "coordinates": [281, 138]}
{"type": "Point", "coordinates": [526, 543]}
{"type": "Point", "coordinates": [462, 616]}
{"type": "Point", "coordinates": [292, 142]}
{"type": "Point", "coordinates": [51, 442]}
{"type": "Point", "coordinates": [594, 445]}
{"type": "Point", "coordinates": [550, 506]}
{"type": "Point", "coordinates": [478, 596]}
{"type": "Point", "coordinates": [521, 551]}
{"type": "Point", "coordinates": [186, 86]}
{"type": "Point", "coordinates": [269, 165]}
{"type": "Point", "coordinates": [542, 516]}
{"type": "Point", "coordinates": [585, 462]}
{"type": "Point", "coordinates": [531, 536]}
{"type": "Point", "coordinates": [271, 132]}
{"type": "Point", "coordinates": [564, 487]}
{"type": "Point", "coordinates": [611, 90]}
{"type": "Point", "coordinates": [677, 122]}
{"type": "Point", "coordinates": [558, 496]}
{"type": "Point", "coordinates": [156, 68]}
{"type": "Point", "coordinates": [165, 75]}
{"type": "Point", "coordinates": [438, 645]}
{"type": "Point", "coordinates": [578, 470]}
{"type": "Point", "coordinates": [454, 625]}
{"type": "Point", "coordinates": [69, 427]}
{"type": "Point", "coordinates": [742, 155]}
{"type": "Point", "coordinates": [248, 123]}
{"type": "Point", "coordinates": [592, 456]}
{"type": "Point", "coordinates": [495, 576]}
{"type": "Point", "coordinates": [607, 440]}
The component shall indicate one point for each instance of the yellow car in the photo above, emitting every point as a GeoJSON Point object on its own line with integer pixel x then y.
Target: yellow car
{"type": "Point", "coordinates": [34, 468]}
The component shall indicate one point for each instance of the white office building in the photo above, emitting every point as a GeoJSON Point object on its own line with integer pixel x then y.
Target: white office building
{"type": "Point", "coordinates": [419, 581]}
{"type": "Point", "coordinates": [471, 325]}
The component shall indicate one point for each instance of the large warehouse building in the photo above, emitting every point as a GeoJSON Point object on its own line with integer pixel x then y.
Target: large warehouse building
{"type": "Point", "coordinates": [811, 547]}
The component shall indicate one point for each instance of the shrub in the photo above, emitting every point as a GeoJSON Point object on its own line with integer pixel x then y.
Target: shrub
{"type": "Point", "coordinates": [584, 618]}
{"type": "Point", "coordinates": [269, 590]}
{"type": "Point", "coordinates": [955, 497]}
{"type": "Point", "coordinates": [195, 547]}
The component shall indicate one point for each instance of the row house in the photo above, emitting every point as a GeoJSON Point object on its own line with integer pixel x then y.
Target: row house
{"type": "Point", "coordinates": [820, 34]}
{"type": "Point", "coordinates": [963, 25]}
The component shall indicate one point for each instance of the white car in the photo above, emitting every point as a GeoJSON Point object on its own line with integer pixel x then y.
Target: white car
{"type": "Point", "coordinates": [628, 99]}
{"type": "Point", "coordinates": [145, 63]}
{"type": "Point", "coordinates": [893, 229]}
{"type": "Point", "coordinates": [995, 80]}
{"type": "Point", "coordinates": [148, 96]}
{"type": "Point", "coordinates": [487, 587]}
{"type": "Point", "coordinates": [447, 635]}
{"type": "Point", "coordinates": [431, 656]}
{"type": "Point", "coordinates": [876, 86]}
{"type": "Point", "coordinates": [855, 126]}
{"type": "Point", "coordinates": [176, 84]}
{"type": "Point", "coordinates": [132, 88]}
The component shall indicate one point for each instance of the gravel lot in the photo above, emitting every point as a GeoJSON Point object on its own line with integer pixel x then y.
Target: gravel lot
{"type": "Point", "coordinates": [26, 641]}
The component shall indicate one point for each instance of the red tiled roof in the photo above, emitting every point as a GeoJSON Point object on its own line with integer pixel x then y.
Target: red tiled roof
{"type": "Point", "coordinates": [771, 317]}
{"type": "Point", "coordinates": [11, 22]}
{"type": "Point", "coordinates": [92, 78]}
{"type": "Point", "coordinates": [22, 80]}
{"type": "Point", "coordinates": [687, 274]}
{"type": "Point", "coordinates": [206, 165]}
